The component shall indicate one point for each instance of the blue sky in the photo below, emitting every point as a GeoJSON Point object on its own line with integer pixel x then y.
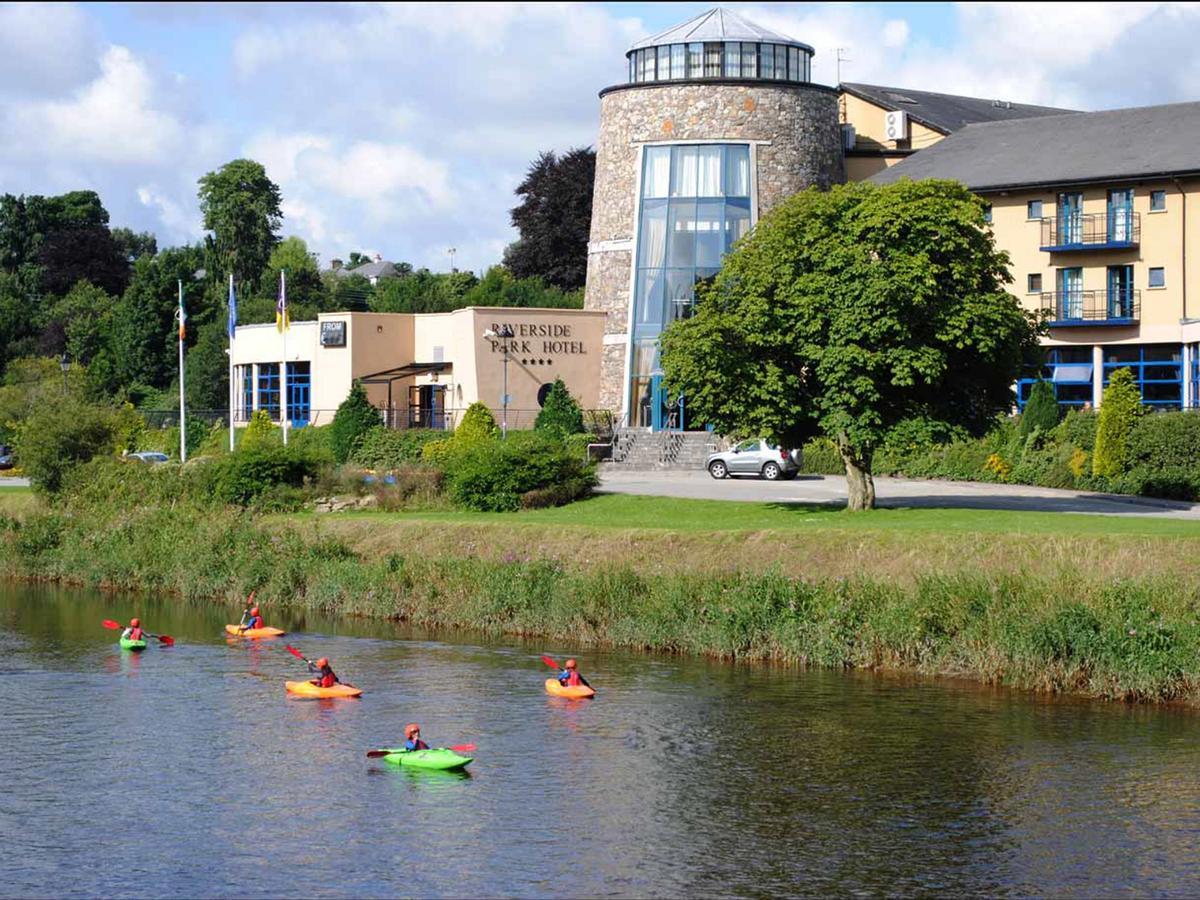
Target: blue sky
{"type": "Point", "coordinates": [403, 128]}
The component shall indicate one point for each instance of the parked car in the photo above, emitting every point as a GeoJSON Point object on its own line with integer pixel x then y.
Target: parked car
{"type": "Point", "coordinates": [755, 457]}
{"type": "Point", "coordinates": [7, 460]}
{"type": "Point", "coordinates": [153, 457]}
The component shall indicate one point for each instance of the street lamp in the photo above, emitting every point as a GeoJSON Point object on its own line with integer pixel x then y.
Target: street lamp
{"type": "Point", "coordinates": [450, 252]}
{"type": "Point", "coordinates": [65, 365]}
{"type": "Point", "coordinates": [504, 333]}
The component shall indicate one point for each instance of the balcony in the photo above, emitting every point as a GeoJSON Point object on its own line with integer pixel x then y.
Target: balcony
{"type": "Point", "coordinates": [1117, 230]}
{"type": "Point", "coordinates": [1074, 309]}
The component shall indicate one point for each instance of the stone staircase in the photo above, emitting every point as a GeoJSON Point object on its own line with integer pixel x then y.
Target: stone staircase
{"type": "Point", "coordinates": [647, 450]}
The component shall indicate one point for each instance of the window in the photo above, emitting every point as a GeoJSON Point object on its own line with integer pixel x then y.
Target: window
{"type": "Point", "coordinates": [1158, 277]}
{"type": "Point", "coordinates": [695, 205]}
{"type": "Point", "coordinates": [299, 387]}
{"type": "Point", "coordinates": [1034, 282]}
{"type": "Point", "coordinates": [1033, 209]}
{"type": "Point", "coordinates": [766, 62]}
{"type": "Point", "coordinates": [749, 60]}
{"type": "Point", "coordinates": [695, 61]}
{"type": "Point", "coordinates": [247, 393]}
{"type": "Point", "coordinates": [987, 213]}
{"type": "Point", "coordinates": [712, 60]}
{"type": "Point", "coordinates": [1157, 369]}
{"type": "Point", "coordinates": [1069, 369]}
{"type": "Point", "coordinates": [678, 61]}
{"type": "Point", "coordinates": [794, 71]}
{"type": "Point", "coordinates": [733, 60]}
{"type": "Point", "coordinates": [1158, 201]}
{"type": "Point", "coordinates": [268, 388]}
{"type": "Point", "coordinates": [664, 63]}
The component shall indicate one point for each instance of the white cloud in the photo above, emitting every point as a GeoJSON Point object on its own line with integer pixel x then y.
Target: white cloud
{"type": "Point", "coordinates": [182, 222]}
{"type": "Point", "coordinates": [895, 33]}
{"type": "Point", "coordinates": [45, 48]}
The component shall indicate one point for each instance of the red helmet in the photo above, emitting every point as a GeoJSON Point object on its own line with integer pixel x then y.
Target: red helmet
{"type": "Point", "coordinates": [570, 664]}
{"type": "Point", "coordinates": [135, 623]}
{"type": "Point", "coordinates": [322, 662]}
{"type": "Point", "coordinates": [410, 730]}
{"type": "Point", "coordinates": [254, 610]}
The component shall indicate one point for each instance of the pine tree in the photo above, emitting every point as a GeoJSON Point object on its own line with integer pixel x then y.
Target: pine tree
{"type": "Point", "coordinates": [1042, 409]}
{"type": "Point", "coordinates": [560, 414]}
{"type": "Point", "coordinates": [354, 418]}
{"type": "Point", "coordinates": [1118, 412]}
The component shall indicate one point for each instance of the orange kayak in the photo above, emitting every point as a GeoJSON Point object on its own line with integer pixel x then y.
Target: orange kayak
{"type": "Point", "coordinates": [254, 632]}
{"type": "Point", "coordinates": [579, 692]}
{"type": "Point", "coordinates": [308, 689]}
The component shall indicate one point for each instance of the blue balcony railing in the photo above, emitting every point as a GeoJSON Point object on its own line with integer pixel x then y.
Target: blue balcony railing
{"type": "Point", "coordinates": [1090, 308]}
{"type": "Point", "coordinates": [1116, 230]}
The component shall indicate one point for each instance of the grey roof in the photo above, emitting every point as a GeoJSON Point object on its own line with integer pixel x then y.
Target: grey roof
{"type": "Point", "coordinates": [717, 24]}
{"type": "Point", "coordinates": [947, 112]}
{"type": "Point", "coordinates": [380, 269]}
{"type": "Point", "coordinates": [1118, 144]}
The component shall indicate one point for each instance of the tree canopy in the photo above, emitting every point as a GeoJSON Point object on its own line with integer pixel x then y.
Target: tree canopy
{"type": "Point", "coordinates": [554, 219]}
{"type": "Point", "coordinates": [851, 311]}
{"type": "Point", "coordinates": [242, 210]}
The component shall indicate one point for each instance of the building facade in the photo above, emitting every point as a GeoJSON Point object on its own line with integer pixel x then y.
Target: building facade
{"type": "Point", "coordinates": [1096, 212]}
{"type": "Point", "coordinates": [717, 123]}
{"type": "Point", "coordinates": [420, 370]}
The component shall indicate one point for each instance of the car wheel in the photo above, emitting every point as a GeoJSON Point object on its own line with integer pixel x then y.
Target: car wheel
{"type": "Point", "coordinates": [771, 471]}
{"type": "Point", "coordinates": [718, 469]}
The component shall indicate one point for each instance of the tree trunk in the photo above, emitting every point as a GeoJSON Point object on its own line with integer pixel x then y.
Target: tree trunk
{"type": "Point", "coordinates": [859, 482]}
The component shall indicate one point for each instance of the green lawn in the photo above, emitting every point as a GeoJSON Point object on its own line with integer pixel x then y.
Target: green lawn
{"type": "Point", "coordinates": [696, 516]}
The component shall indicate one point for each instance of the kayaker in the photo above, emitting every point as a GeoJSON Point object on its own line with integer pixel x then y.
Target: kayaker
{"type": "Point", "coordinates": [134, 631]}
{"type": "Point", "coordinates": [325, 678]}
{"type": "Point", "coordinates": [412, 738]}
{"type": "Point", "coordinates": [570, 677]}
{"type": "Point", "coordinates": [255, 621]}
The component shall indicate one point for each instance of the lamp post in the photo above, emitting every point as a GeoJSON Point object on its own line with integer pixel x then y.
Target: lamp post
{"type": "Point", "coordinates": [450, 252]}
{"type": "Point", "coordinates": [504, 333]}
{"type": "Point", "coordinates": [65, 365]}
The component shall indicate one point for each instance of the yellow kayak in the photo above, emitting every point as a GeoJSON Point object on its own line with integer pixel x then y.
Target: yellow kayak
{"type": "Point", "coordinates": [308, 689]}
{"type": "Point", "coordinates": [237, 631]}
{"type": "Point", "coordinates": [579, 692]}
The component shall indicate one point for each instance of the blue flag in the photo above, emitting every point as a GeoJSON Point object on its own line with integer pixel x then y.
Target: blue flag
{"type": "Point", "coordinates": [232, 309]}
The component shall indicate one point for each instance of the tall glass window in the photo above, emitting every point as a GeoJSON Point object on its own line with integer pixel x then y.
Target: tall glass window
{"type": "Point", "coordinates": [268, 388]}
{"type": "Point", "coordinates": [712, 60]}
{"type": "Point", "coordinates": [695, 60]}
{"type": "Point", "coordinates": [749, 60]}
{"type": "Point", "coordinates": [795, 73]}
{"type": "Point", "coordinates": [733, 59]}
{"type": "Point", "coordinates": [247, 392]}
{"type": "Point", "coordinates": [766, 61]}
{"type": "Point", "coordinates": [695, 205]}
{"type": "Point", "coordinates": [720, 59]}
{"type": "Point", "coordinates": [299, 386]}
{"type": "Point", "coordinates": [664, 63]}
{"type": "Point", "coordinates": [678, 61]}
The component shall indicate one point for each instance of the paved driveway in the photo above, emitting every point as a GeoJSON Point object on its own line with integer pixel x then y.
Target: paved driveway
{"type": "Point", "coordinates": [831, 489]}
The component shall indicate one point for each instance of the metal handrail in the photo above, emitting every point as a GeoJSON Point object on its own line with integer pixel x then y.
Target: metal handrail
{"type": "Point", "coordinates": [1115, 228]}
{"type": "Point", "coordinates": [1092, 306]}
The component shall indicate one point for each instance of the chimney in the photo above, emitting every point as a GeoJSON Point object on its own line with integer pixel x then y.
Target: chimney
{"type": "Point", "coordinates": [335, 264]}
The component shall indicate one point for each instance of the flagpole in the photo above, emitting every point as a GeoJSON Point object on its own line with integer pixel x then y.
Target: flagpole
{"type": "Point", "coordinates": [283, 372]}
{"type": "Point", "coordinates": [231, 328]}
{"type": "Point", "coordinates": [182, 402]}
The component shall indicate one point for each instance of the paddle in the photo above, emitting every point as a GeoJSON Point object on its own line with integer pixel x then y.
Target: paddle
{"type": "Point", "coordinates": [311, 665]}
{"type": "Point", "coordinates": [457, 748]}
{"type": "Point", "coordinates": [552, 664]}
{"type": "Point", "coordinates": [249, 603]}
{"type": "Point", "coordinates": [165, 639]}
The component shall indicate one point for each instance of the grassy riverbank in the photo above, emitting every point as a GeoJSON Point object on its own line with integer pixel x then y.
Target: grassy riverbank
{"type": "Point", "coordinates": [1110, 611]}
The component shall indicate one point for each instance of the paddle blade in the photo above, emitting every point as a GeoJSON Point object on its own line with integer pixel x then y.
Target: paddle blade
{"type": "Point", "coordinates": [296, 653]}
{"type": "Point", "coordinates": [250, 599]}
{"type": "Point", "coordinates": [376, 754]}
{"type": "Point", "coordinates": [548, 661]}
{"type": "Point", "coordinates": [109, 623]}
{"type": "Point", "coordinates": [166, 640]}
{"type": "Point", "coordinates": [463, 748]}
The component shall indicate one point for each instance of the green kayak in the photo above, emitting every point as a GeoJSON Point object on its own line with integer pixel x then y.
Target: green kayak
{"type": "Point", "coordinates": [127, 644]}
{"type": "Point", "coordinates": [443, 759]}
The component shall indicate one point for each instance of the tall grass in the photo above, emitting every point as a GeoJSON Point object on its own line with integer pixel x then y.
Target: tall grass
{"type": "Point", "coordinates": [1133, 640]}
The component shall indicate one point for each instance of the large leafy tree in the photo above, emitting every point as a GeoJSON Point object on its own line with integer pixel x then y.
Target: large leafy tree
{"type": "Point", "coordinates": [86, 252]}
{"type": "Point", "coordinates": [242, 210]}
{"type": "Point", "coordinates": [554, 219]}
{"type": "Point", "coordinates": [849, 311]}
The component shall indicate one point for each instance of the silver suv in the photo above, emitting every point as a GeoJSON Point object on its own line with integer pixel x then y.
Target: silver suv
{"type": "Point", "coordinates": [755, 457]}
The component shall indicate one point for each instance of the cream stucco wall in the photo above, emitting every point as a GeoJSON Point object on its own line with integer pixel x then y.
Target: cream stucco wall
{"type": "Point", "coordinates": [868, 121]}
{"type": "Point", "coordinates": [547, 343]}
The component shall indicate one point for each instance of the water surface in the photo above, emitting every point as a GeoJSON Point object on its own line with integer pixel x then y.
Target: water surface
{"type": "Point", "coordinates": [188, 772]}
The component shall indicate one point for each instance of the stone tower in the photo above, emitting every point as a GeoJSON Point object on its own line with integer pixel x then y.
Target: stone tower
{"type": "Point", "coordinates": [717, 122]}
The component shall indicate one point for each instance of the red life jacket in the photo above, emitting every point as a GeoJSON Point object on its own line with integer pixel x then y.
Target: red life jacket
{"type": "Point", "coordinates": [328, 679]}
{"type": "Point", "coordinates": [255, 622]}
{"type": "Point", "coordinates": [135, 634]}
{"type": "Point", "coordinates": [573, 678]}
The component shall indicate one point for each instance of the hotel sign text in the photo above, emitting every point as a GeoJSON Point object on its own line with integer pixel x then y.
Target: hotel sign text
{"type": "Point", "coordinates": [530, 338]}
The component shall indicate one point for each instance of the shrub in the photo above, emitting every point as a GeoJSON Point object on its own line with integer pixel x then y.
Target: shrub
{"type": "Point", "coordinates": [1166, 440]}
{"type": "Point", "coordinates": [260, 433]}
{"type": "Point", "coordinates": [1079, 428]}
{"type": "Point", "coordinates": [1042, 409]}
{"type": "Point", "coordinates": [477, 424]}
{"type": "Point", "coordinates": [560, 415]}
{"type": "Point", "coordinates": [316, 441]}
{"type": "Point", "coordinates": [355, 416]}
{"type": "Point", "coordinates": [241, 477]}
{"type": "Point", "coordinates": [385, 449]}
{"type": "Point", "coordinates": [411, 487]}
{"type": "Point", "coordinates": [494, 475]}
{"type": "Point", "coordinates": [821, 457]}
{"type": "Point", "coordinates": [57, 438]}
{"type": "Point", "coordinates": [1118, 413]}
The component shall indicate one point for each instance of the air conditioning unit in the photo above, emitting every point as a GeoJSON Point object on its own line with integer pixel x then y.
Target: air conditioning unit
{"type": "Point", "coordinates": [849, 137]}
{"type": "Point", "coordinates": [895, 125]}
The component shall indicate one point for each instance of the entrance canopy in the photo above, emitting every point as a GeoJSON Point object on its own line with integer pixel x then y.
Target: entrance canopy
{"type": "Point", "coordinates": [388, 376]}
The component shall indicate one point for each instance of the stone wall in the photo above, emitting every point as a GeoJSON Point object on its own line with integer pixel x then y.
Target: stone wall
{"type": "Point", "coordinates": [798, 141]}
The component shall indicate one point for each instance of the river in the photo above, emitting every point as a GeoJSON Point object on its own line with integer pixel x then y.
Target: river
{"type": "Point", "coordinates": [187, 771]}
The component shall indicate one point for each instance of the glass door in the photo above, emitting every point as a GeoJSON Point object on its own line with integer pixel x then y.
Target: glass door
{"type": "Point", "coordinates": [1120, 216]}
{"type": "Point", "coordinates": [1070, 293]}
{"type": "Point", "coordinates": [1070, 218]}
{"type": "Point", "coordinates": [1120, 292]}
